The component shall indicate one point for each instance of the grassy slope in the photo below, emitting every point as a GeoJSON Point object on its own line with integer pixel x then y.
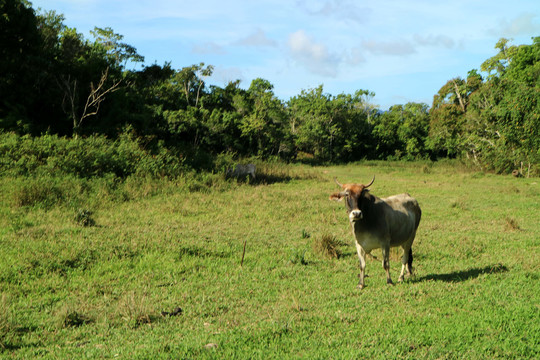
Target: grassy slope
{"type": "Point", "coordinates": [69, 291]}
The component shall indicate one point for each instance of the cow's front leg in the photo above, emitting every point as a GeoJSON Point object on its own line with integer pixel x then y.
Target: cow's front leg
{"type": "Point", "coordinates": [362, 259]}
{"type": "Point", "coordinates": [386, 263]}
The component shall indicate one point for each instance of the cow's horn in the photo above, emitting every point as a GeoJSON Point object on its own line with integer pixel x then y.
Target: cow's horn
{"type": "Point", "coordinates": [368, 185]}
{"type": "Point", "coordinates": [337, 182]}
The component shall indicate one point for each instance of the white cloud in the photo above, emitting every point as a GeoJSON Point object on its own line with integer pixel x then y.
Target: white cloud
{"type": "Point", "coordinates": [437, 40]}
{"type": "Point", "coordinates": [394, 48]}
{"type": "Point", "coordinates": [208, 48]}
{"type": "Point", "coordinates": [403, 46]}
{"type": "Point", "coordinates": [355, 56]}
{"type": "Point", "coordinates": [224, 75]}
{"type": "Point", "coordinates": [339, 9]}
{"type": "Point", "coordinates": [314, 56]}
{"type": "Point", "coordinates": [521, 25]}
{"type": "Point", "coordinates": [257, 39]}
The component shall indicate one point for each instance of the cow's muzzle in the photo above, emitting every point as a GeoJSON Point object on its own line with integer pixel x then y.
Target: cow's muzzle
{"type": "Point", "coordinates": [355, 215]}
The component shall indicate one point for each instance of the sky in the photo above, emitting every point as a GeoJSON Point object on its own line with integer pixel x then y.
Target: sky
{"type": "Point", "coordinates": [403, 51]}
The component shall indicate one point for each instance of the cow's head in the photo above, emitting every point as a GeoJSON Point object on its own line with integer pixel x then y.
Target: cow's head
{"type": "Point", "coordinates": [353, 195]}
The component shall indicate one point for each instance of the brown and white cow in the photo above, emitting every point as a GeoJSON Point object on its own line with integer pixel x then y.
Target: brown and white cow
{"type": "Point", "coordinates": [380, 223]}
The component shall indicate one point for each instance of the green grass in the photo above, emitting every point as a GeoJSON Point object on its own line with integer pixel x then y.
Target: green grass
{"type": "Point", "coordinates": [88, 266]}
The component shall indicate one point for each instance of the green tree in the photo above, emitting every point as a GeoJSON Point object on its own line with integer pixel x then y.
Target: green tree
{"type": "Point", "coordinates": [503, 121]}
{"type": "Point", "coordinates": [141, 101]}
{"type": "Point", "coordinates": [118, 52]}
{"type": "Point", "coordinates": [401, 132]}
{"type": "Point", "coordinates": [496, 65]}
{"type": "Point", "coordinates": [263, 122]}
{"type": "Point", "coordinates": [20, 64]}
{"type": "Point", "coordinates": [224, 122]}
{"type": "Point", "coordinates": [447, 114]}
{"type": "Point", "coordinates": [494, 122]}
{"type": "Point", "coordinates": [331, 127]}
{"type": "Point", "coordinates": [191, 80]}
{"type": "Point", "coordinates": [312, 123]}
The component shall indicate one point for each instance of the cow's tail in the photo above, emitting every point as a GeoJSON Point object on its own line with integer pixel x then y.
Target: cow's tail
{"type": "Point", "coordinates": [410, 258]}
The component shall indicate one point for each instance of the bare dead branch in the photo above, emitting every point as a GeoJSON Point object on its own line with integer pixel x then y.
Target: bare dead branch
{"type": "Point", "coordinates": [456, 88]}
{"type": "Point", "coordinates": [93, 101]}
{"type": "Point", "coordinates": [69, 88]}
{"type": "Point", "coordinates": [96, 96]}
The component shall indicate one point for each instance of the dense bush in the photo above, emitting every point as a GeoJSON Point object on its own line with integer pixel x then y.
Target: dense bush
{"type": "Point", "coordinates": [94, 156]}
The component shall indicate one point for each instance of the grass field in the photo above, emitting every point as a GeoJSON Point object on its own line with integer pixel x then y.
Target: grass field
{"type": "Point", "coordinates": [147, 269]}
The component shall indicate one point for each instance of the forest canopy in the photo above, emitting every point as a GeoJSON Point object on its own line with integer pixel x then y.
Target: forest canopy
{"type": "Point", "coordinates": [54, 81]}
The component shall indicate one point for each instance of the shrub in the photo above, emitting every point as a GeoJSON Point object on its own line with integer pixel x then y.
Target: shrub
{"type": "Point", "coordinates": [37, 192]}
{"type": "Point", "coordinates": [94, 156]}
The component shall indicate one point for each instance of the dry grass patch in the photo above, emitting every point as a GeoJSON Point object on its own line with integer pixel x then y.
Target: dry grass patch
{"type": "Point", "coordinates": [327, 246]}
{"type": "Point", "coordinates": [511, 224]}
{"type": "Point", "coordinates": [136, 310]}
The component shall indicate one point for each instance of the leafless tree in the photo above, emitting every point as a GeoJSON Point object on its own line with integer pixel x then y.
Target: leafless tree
{"type": "Point", "coordinates": [93, 101]}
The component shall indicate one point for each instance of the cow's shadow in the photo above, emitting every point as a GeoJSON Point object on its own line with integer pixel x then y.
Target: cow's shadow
{"type": "Point", "coordinates": [462, 275]}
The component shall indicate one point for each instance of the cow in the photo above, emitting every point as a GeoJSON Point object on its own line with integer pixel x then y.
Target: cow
{"type": "Point", "coordinates": [380, 223]}
{"type": "Point", "coordinates": [241, 171]}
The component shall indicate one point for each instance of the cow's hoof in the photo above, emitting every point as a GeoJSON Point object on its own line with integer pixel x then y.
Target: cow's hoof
{"type": "Point", "coordinates": [360, 286]}
{"type": "Point", "coordinates": [400, 279]}
{"type": "Point", "coordinates": [389, 282]}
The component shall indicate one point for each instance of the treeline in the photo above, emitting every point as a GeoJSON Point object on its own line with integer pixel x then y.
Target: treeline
{"type": "Point", "coordinates": [56, 82]}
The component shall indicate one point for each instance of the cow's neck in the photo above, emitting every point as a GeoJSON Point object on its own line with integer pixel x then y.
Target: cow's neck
{"type": "Point", "coordinates": [369, 211]}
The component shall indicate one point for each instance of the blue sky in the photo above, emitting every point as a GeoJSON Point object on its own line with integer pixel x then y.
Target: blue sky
{"type": "Point", "coordinates": [401, 50]}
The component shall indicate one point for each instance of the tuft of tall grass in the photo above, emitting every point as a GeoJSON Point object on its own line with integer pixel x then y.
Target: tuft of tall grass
{"type": "Point", "coordinates": [136, 310]}
{"type": "Point", "coordinates": [512, 224]}
{"type": "Point", "coordinates": [67, 318]}
{"type": "Point", "coordinates": [298, 257]}
{"type": "Point", "coordinates": [327, 246]}
{"type": "Point", "coordinates": [459, 204]}
{"type": "Point", "coordinates": [84, 217]}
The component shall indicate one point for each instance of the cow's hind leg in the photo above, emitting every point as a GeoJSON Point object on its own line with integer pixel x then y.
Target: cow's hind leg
{"type": "Point", "coordinates": [406, 261]}
{"type": "Point", "coordinates": [409, 263]}
{"type": "Point", "coordinates": [386, 263]}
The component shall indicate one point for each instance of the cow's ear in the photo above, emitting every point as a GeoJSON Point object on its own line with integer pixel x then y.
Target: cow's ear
{"type": "Point", "coordinates": [336, 196]}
